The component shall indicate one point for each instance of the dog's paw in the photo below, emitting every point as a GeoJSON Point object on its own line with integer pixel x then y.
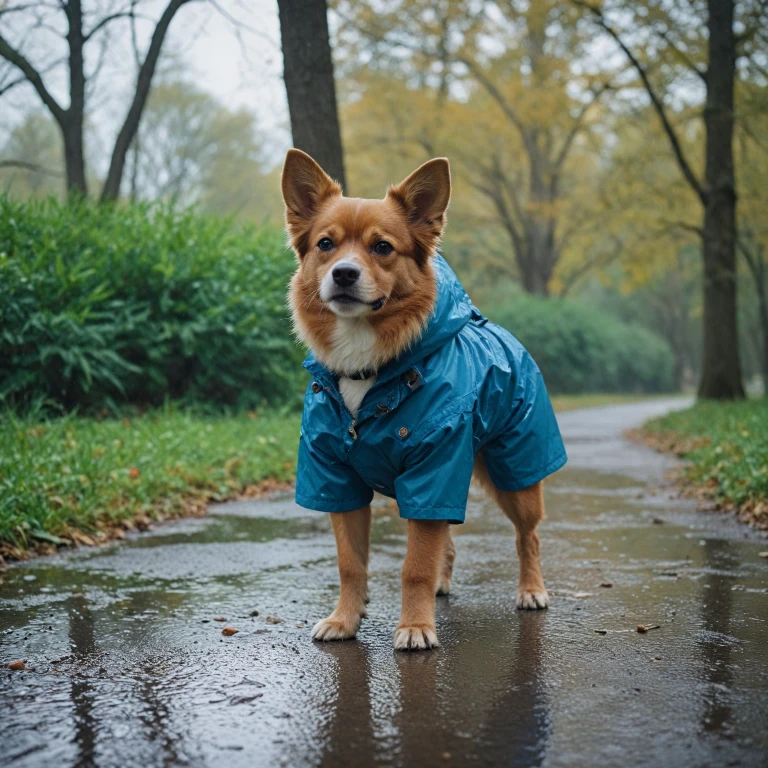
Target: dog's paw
{"type": "Point", "coordinates": [419, 637]}
{"type": "Point", "coordinates": [335, 629]}
{"type": "Point", "coordinates": [444, 586]}
{"type": "Point", "coordinates": [532, 599]}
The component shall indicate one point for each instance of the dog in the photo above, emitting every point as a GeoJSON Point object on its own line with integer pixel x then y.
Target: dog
{"type": "Point", "coordinates": [413, 392]}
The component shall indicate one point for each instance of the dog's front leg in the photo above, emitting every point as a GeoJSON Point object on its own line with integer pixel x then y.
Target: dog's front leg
{"type": "Point", "coordinates": [353, 532]}
{"type": "Point", "coordinates": [426, 551]}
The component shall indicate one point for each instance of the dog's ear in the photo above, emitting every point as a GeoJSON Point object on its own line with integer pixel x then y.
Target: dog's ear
{"type": "Point", "coordinates": [424, 196]}
{"type": "Point", "coordinates": [305, 187]}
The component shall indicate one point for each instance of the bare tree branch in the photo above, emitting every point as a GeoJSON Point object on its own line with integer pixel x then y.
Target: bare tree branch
{"type": "Point", "coordinates": [658, 105]}
{"type": "Point", "coordinates": [683, 57]}
{"type": "Point", "coordinates": [16, 58]}
{"type": "Point", "coordinates": [25, 7]}
{"type": "Point", "coordinates": [494, 93]}
{"type": "Point", "coordinates": [34, 167]}
{"type": "Point", "coordinates": [7, 86]}
{"type": "Point", "coordinates": [129, 14]}
{"type": "Point", "coordinates": [588, 266]}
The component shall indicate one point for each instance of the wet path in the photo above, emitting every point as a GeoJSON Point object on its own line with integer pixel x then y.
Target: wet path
{"type": "Point", "coordinates": [130, 669]}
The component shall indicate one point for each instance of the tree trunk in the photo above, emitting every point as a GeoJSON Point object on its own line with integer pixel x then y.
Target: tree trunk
{"type": "Point", "coordinates": [721, 369]}
{"type": "Point", "coordinates": [533, 275]}
{"type": "Point", "coordinates": [764, 326]}
{"type": "Point", "coordinates": [308, 73]}
{"type": "Point", "coordinates": [73, 119]}
{"type": "Point", "coordinates": [74, 159]}
{"type": "Point", "coordinates": [758, 269]}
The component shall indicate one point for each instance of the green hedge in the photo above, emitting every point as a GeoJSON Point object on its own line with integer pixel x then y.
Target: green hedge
{"type": "Point", "coordinates": [103, 305]}
{"type": "Point", "coordinates": [580, 349]}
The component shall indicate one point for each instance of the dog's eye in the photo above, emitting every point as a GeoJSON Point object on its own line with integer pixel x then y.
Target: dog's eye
{"type": "Point", "coordinates": [326, 244]}
{"type": "Point", "coordinates": [383, 248]}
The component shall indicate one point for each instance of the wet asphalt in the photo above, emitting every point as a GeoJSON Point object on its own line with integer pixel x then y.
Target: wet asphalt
{"type": "Point", "coordinates": [129, 667]}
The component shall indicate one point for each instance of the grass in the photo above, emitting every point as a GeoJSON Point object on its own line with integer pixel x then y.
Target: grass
{"type": "Point", "coordinates": [69, 475]}
{"type": "Point", "coordinates": [78, 479]}
{"type": "Point", "coordinates": [726, 447]}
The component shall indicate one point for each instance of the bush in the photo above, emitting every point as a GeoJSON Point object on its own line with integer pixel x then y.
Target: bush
{"type": "Point", "coordinates": [583, 350]}
{"type": "Point", "coordinates": [107, 305]}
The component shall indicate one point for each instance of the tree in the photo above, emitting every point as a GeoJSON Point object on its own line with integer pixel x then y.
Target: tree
{"type": "Point", "coordinates": [528, 107]}
{"type": "Point", "coordinates": [80, 31]}
{"type": "Point", "coordinates": [666, 29]}
{"type": "Point", "coordinates": [191, 149]}
{"type": "Point", "coordinates": [309, 83]}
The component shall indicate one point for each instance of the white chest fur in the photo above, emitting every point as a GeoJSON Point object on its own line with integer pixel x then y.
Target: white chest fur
{"type": "Point", "coordinates": [353, 392]}
{"type": "Point", "coordinates": [352, 350]}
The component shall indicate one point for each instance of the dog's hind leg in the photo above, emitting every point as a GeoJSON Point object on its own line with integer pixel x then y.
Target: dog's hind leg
{"type": "Point", "coordinates": [421, 571]}
{"type": "Point", "coordinates": [446, 570]}
{"type": "Point", "coordinates": [525, 508]}
{"type": "Point", "coordinates": [353, 532]}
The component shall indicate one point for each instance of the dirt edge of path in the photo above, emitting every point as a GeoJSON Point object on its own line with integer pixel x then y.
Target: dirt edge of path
{"type": "Point", "coordinates": [193, 503]}
{"type": "Point", "coordinates": [752, 513]}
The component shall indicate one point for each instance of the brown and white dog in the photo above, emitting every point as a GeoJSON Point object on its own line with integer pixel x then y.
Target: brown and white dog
{"type": "Point", "coordinates": [362, 294]}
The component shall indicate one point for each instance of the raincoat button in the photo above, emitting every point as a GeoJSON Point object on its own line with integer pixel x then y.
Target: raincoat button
{"type": "Point", "coordinates": [403, 432]}
{"type": "Point", "coordinates": [316, 387]}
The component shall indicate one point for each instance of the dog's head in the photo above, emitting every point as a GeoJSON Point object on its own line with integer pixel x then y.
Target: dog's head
{"type": "Point", "coordinates": [363, 258]}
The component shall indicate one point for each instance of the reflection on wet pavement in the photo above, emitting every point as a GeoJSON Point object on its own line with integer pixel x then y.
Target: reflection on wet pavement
{"type": "Point", "coordinates": [129, 667]}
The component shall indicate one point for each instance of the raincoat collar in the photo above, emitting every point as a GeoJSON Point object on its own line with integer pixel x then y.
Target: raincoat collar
{"type": "Point", "coordinates": [453, 310]}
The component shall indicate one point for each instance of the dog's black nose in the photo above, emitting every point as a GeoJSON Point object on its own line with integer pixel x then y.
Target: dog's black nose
{"type": "Point", "coordinates": [345, 275]}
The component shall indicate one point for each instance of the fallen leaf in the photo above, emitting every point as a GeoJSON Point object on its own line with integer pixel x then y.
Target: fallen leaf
{"type": "Point", "coordinates": [582, 595]}
{"type": "Point", "coordinates": [17, 665]}
{"type": "Point", "coordinates": [300, 626]}
{"type": "Point", "coordinates": [134, 473]}
{"type": "Point", "coordinates": [607, 584]}
{"type": "Point", "coordinates": [646, 627]}
{"type": "Point", "coordinates": [657, 658]}
{"type": "Point", "coordinates": [219, 618]}
{"type": "Point", "coordinates": [274, 620]}
{"type": "Point", "coordinates": [601, 631]}
{"type": "Point", "coordinates": [229, 631]}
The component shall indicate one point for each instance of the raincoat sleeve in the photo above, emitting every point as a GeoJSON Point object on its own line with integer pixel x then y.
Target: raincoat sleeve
{"type": "Point", "coordinates": [435, 483]}
{"type": "Point", "coordinates": [324, 483]}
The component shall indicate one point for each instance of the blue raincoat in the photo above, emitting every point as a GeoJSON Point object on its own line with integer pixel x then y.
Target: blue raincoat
{"type": "Point", "coordinates": [466, 386]}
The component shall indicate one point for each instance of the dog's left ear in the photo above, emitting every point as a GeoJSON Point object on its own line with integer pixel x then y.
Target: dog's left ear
{"type": "Point", "coordinates": [424, 196]}
{"type": "Point", "coordinates": [305, 187]}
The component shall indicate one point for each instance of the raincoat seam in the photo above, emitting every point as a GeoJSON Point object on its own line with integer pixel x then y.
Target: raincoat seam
{"type": "Point", "coordinates": [333, 505]}
{"type": "Point", "coordinates": [436, 509]}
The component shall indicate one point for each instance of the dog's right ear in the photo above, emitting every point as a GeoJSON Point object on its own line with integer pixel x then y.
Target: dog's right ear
{"type": "Point", "coordinates": [424, 197]}
{"type": "Point", "coordinates": [305, 187]}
